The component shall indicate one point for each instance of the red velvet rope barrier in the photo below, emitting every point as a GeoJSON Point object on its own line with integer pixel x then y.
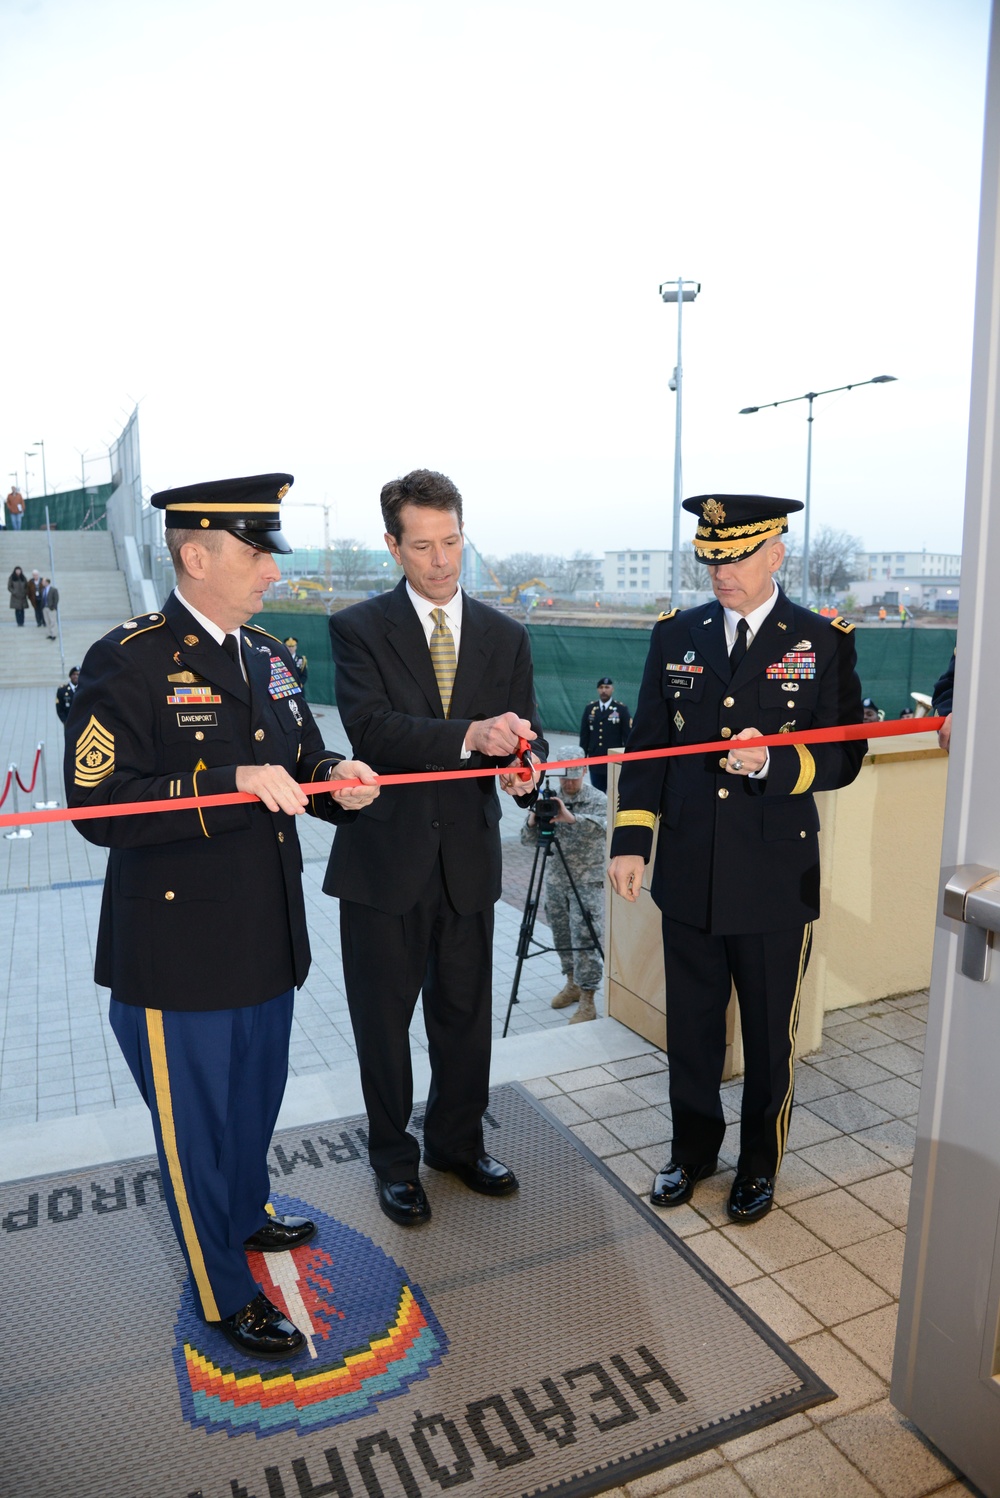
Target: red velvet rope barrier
{"type": "Point", "coordinates": [6, 786]}
{"type": "Point", "coordinates": [27, 789]}
{"type": "Point", "coordinates": [845, 732]}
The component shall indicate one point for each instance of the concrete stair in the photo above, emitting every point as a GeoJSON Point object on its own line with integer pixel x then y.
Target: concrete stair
{"type": "Point", "coordinates": [93, 598]}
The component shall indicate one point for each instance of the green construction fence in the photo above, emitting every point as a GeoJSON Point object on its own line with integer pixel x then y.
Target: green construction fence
{"type": "Point", "coordinates": [892, 662]}
{"type": "Point", "coordinates": [69, 510]}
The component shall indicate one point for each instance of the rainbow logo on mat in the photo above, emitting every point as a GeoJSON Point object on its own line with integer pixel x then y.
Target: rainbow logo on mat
{"type": "Point", "coordinates": [370, 1334]}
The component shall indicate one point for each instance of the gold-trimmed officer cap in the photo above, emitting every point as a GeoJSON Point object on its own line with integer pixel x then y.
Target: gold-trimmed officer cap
{"type": "Point", "coordinates": [734, 526]}
{"type": "Point", "coordinates": [248, 508]}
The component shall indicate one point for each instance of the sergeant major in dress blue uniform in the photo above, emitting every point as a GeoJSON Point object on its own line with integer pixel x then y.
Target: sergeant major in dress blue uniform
{"type": "Point", "coordinates": [203, 937]}
{"type": "Point", "coordinates": [736, 873]}
{"type": "Point", "coordinates": [604, 726]}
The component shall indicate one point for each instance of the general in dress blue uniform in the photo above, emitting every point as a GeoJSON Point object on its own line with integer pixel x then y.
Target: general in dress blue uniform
{"type": "Point", "coordinates": [736, 872]}
{"type": "Point", "coordinates": [202, 936]}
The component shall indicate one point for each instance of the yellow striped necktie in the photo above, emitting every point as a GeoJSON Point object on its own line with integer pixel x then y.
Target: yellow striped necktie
{"type": "Point", "coordinates": [443, 658]}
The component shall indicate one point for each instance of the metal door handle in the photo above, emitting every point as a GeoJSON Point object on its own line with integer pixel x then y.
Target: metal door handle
{"type": "Point", "coordinates": [972, 895]}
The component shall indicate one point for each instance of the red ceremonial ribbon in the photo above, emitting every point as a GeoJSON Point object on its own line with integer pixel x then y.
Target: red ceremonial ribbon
{"type": "Point", "coordinates": [840, 734]}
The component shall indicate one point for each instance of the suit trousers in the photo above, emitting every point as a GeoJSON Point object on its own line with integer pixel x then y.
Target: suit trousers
{"type": "Point", "coordinates": [213, 1082]}
{"type": "Point", "coordinates": [599, 777]}
{"type": "Point", "coordinates": [700, 970]}
{"type": "Point", "coordinates": [387, 960]}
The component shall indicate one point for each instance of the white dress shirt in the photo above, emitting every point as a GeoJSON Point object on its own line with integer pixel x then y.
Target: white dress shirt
{"type": "Point", "coordinates": [453, 618]}
{"type": "Point", "coordinates": [754, 622]}
{"type": "Point", "coordinates": [210, 627]}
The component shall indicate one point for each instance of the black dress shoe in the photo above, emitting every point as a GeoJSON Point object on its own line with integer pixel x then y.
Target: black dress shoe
{"type": "Point", "coordinates": [280, 1233]}
{"type": "Point", "coordinates": [751, 1198]}
{"type": "Point", "coordinates": [487, 1176]}
{"type": "Point", "coordinates": [674, 1184]}
{"type": "Point", "coordinates": [405, 1202]}
{"type": "Point", "coordinates": [261, 1331]}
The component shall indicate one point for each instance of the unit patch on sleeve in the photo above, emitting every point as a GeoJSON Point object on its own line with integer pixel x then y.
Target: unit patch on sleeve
{"type": "Point", "coordinates": [95, 754]}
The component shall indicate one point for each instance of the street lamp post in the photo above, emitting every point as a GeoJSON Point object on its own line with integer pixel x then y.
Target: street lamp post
{"type": "Point", "coordinates": [810, 396]}
{"type": "Point", "coordinates": [679, 291]}
{"type": "Point", "coordinates": [40, 445]}
{"type": "Point", "coordinates": [26, 490]}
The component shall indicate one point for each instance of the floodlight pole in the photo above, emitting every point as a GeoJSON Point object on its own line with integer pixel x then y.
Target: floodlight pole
{"type": "Point", "coordinates": [810, 396]}
{"type": "Point", "coordinates": [679, 291]}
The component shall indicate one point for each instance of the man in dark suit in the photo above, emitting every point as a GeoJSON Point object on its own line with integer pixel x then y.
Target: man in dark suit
{"type": "Point", "coordinates": [202, 938]}
{"type": "Point", "coordinates": [427, 679]}
{"type": "Point", "coordinates": [604, 726]}
{"type": "Point", "coordinates": [736, 873]}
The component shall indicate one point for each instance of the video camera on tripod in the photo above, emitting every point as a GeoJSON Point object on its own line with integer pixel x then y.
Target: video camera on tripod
{"type": "Point", "coordinates": [545, 813]}
{"type": "Point", "coordinates": [546, 807]}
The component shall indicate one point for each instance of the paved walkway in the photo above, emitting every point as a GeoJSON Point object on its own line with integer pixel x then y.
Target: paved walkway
{"type": "Point", "coordinates": [823, 1269]}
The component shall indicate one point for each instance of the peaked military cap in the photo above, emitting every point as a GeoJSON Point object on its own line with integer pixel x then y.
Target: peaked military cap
{"type": "Point", "coordinates": [734, 526]}
{"type": "Point", "coordinates": [248, 508]}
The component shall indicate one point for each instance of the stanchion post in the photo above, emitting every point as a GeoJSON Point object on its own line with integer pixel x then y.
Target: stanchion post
{"type": "Point", "coordinates": [16, 834]}
{"type": "Point", "coordinates": [45, 804]}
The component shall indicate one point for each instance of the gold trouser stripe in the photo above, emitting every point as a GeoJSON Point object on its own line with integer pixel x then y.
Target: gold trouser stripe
{"type": "Point", "coordinates": [785, 1111]}
{"type": "Point", "coordinates": [807, 770]}
{"type": "Point", "coordinates": [635, 819]}
{"type": "Point", "coordinates": [201, 819]}
{"type": "Point", "coordinates": [165, 1113]}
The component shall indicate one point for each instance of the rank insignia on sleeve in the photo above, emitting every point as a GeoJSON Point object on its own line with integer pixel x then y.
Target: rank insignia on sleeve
{"type": "Point", "coordinates": [678, 720]}
{"type": "Point", "coordinates": [95, 754]}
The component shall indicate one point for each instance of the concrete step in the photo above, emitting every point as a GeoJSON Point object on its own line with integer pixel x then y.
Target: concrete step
{"type": "Point", "coordinates": [72, 551]}
{"type": "Point", "coordinates": [29, 658]}
{"type": "Point", "coordinates": [93, 598]}
{"type": "Point", "coordinates": [87, 595]}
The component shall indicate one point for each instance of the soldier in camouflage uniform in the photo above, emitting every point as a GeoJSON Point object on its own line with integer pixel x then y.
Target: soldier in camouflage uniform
{"type": "Point", "coordinates": [580, 830]}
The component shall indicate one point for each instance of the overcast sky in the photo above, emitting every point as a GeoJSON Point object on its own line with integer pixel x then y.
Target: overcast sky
{"type": "Point", "coordinates": [350, 239]}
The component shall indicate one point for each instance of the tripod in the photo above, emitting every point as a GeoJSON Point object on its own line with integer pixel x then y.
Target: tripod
{"type": "Point", "coordinates": [547, 844]}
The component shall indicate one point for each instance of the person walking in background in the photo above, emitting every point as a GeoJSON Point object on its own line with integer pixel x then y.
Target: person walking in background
{"type": "Point", "coordinates": [427, 678]}
{"type": "Point", "coordinates": [14, 505]}
{"type": "Point", "coordinates": [579, 825]}
{"type": "Point", "coordinates": [604, 726]}
{"type": "Point", "coordinates": [50, 606]}
{"type": "Point", "coordinates": [736, 873]}
{"type": "Point", "coordinates": [35, 597]}
{"type": "Point", "coordinates": [17, 587]}
{"type": "Point", "coordinates": [66, 693]}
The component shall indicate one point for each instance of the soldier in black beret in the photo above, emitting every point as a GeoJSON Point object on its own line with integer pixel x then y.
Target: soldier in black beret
{"type": "Point", "coordinates": [604, 726]}
{"type": "Point", "coordinates": [203, 936]}
{"type": "Point", "coordinates": [65, 694]}
{"type": "Point", "coordinates": [736, 871]}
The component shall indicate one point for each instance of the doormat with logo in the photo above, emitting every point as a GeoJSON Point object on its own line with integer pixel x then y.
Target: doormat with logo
{"type": "Point", "coordinates": [560, 1341]}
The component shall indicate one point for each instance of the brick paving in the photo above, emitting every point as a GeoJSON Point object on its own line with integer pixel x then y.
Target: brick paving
{"type": "Point", "coordinates": [823, 1269]}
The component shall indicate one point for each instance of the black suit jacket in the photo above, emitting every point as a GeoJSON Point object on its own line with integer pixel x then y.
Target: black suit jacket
{"type": "Point", "coordinates": [736, 855]}
{"type": "Point", "coordinates": [202, 909]}
{"type": "Point", "coordinates": [389, 702]}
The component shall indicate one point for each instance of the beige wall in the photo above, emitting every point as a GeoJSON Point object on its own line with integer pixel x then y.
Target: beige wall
{"type": "Point", "coordinates": [880, 847]}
